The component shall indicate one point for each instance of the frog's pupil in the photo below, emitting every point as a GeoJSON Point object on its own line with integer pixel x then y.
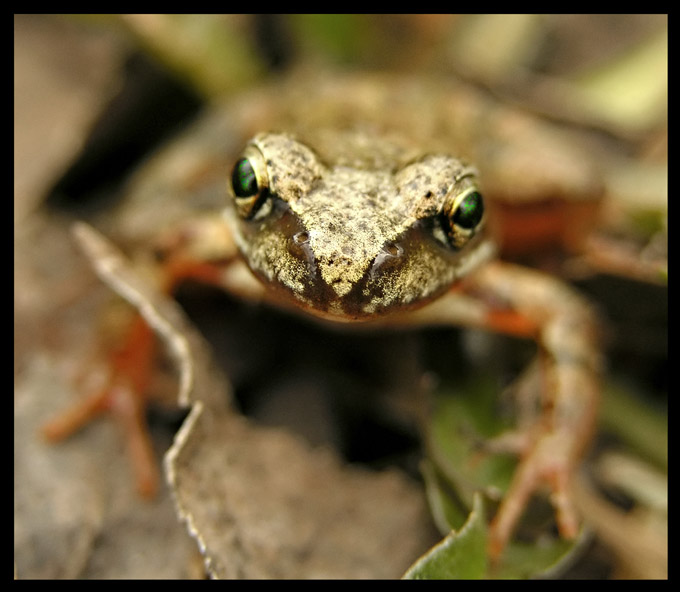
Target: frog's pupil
{"type": "Point", "coordinates": [243, 179]}
{"type": "Point", "coordinates": [470, 211]}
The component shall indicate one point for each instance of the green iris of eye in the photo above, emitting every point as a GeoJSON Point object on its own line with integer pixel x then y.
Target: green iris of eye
{"type": "Point", "coordinates": [469, 213]}
{"type": "Point", "coordinates": [243, 179]}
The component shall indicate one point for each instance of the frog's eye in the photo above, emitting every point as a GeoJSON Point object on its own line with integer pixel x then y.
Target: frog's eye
{"type": "Point", "coordinates": [463, 217]}
{"type": "Point", "coordinates": [249, 182]}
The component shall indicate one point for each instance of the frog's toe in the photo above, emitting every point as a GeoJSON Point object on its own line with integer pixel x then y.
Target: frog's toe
{"type": "Point", "coordinates": [547, 464]}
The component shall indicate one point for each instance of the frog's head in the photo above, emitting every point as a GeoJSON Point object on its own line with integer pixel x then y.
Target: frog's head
{"type": "Point", "coordinates": [351, 239]}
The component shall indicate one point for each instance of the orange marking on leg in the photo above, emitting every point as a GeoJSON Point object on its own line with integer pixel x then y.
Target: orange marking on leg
{"type": "Point", "coordinates": [71, 420]}
{"type": "Point", "coordinates": [510, 322]}
{"type": "Point", "coordinates": [180, 269]}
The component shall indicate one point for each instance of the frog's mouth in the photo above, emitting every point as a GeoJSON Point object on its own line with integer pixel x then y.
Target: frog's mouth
{"type": "Point", "coordinates": [405, 273]}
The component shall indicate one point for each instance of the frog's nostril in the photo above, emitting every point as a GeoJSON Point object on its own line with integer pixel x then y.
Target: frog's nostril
{"type": "Point", "coordinates": [387, 260]}
{"type": "Point", "coordinates": [301, 237]}
{"type": "Point", "coordinates": [298, 245]}
{"type": "Point", "coordinates": [393, 249]}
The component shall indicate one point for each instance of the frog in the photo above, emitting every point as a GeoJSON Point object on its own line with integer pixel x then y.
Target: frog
{"type": "Point", "coordinates": [367, 239]}
{"type": "Point", "coordinates": [355, 217]}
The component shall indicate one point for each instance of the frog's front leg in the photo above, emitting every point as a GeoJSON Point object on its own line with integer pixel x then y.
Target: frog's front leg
{"type": "Point", "coordinates": [523, 302]}
{"type": "Point", "coordinates": [570, 362]}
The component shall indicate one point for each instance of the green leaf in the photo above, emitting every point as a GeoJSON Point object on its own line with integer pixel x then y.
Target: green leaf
{"type": "Point", "coordinates": [544, 557]}
{"type": "Point", "coordinates": [643, 427]}
{"type": "Point", "coordinates": [458, 475]}
{"type": "Point", "coordinates": [460, 555]}
{"type": "Point", "coordinates": [541, 559]}
{"type": "Point", "coordinates": [448, 514]}
{"type": "Point", "coordinates": [460, 423]}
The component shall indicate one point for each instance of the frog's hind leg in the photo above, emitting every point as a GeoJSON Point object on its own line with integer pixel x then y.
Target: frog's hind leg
{"type": "Point", "coordinates": [569, 363]}
{"type": "Point", "coordinates": [129, 367]}
{"type": "Point", "coordinates": [562, 409]}
{"type": "Point", "coordinates": [123, 394]}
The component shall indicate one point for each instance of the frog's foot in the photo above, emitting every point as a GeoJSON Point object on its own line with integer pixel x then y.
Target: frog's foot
{"type": "Point", "coordinates": [546, 462]}
{"type": "Point", "coordinates": [123, 395]}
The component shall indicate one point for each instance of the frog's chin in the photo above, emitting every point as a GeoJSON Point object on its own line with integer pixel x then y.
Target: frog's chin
{"type": "Point", "coordinates": [344, 312]}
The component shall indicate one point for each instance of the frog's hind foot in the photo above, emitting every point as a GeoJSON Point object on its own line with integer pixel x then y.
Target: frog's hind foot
{"type": "Point", "coordinates": [545, 464]}
{"type": "Point", "coordinates": [123, 395]}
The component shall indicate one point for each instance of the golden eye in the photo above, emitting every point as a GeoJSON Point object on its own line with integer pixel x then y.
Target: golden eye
{"type": "Point", "coordinates": [463, 217]}
{"type": "Point", "coordinates": [249, 182]}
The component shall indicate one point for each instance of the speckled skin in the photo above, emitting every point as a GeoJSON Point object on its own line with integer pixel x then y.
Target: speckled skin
{"type": "Point", "coordinates": [351, 225]}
